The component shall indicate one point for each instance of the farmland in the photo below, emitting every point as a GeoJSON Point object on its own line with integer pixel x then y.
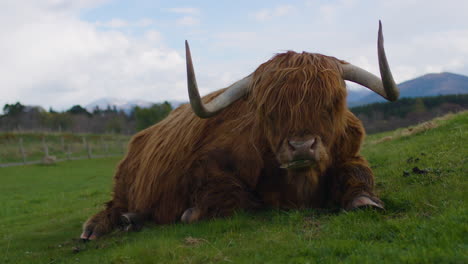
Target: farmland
{"type": "Point", "coordinates": [17, 147]}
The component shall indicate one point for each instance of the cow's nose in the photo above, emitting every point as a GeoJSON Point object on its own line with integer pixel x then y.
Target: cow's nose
{"type": "Point", "coordinates": [303, 149]}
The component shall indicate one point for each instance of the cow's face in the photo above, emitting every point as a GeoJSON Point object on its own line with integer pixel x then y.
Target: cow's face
{"type": "Point", "coordinates": [299, 101]}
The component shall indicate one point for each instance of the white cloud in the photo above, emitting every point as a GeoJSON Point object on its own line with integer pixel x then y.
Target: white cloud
{"type": "Point", "coordinates": [236, 39]}
{"type": "Point", "coordinates": [190, 15]}
{"type": "Point", "coordinates": [144, 22]}
{"type": "Point", "coordinates": [113, 23]}
{"type": "Point", "coordinates": [67, 4]}
{"type": "Point", "coordinates": [117, 23]}
{"type": "Point", "coordinates": [421, 36]}
{"type": "Point", "coordinates": [269, 13]}
{"type": "Point", "coordinates": [153, 36]}
{"type": "Point", "coordinates": [188, 21]}
{"type": "Point", "coordinates": [58, 60]}
{"type": "Point", "coordinates": [185, 10]}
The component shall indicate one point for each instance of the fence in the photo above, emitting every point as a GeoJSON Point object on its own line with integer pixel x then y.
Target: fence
{"type": "Point", "coordinates": [30, 148]}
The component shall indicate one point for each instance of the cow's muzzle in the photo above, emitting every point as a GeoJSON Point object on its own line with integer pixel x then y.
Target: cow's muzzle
{"type": "Point", "coordinates": [297, 153]}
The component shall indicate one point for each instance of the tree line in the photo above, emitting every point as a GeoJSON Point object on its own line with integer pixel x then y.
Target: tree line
{"type": "Point", "coordinates": [19, 117]}
{"type": "Point", "coordinates": [378, 117]}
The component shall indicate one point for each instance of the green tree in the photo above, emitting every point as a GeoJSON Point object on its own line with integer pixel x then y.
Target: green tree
{"type": "Point", "coordinates": [78, 110]}
{"type": "Point", "coordinates": [115, 124]}
{"type": "Point", "coordinates": [13, 109]}
{"type": "Point", "coordinates": [97, 110]}
{"type": "Point", "coordinates": [56, 121]}
{"type": "Point", "coordinates": [418, 106]}
{"type": "Point", "coordinates": [146, 117]}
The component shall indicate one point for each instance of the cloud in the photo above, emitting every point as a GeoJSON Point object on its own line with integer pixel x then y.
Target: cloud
{"type": "Point", "coordinates": [52, 58]}
{"type": "Point", "coordinates": [431, 52]}
{"type": "Point", "coordinates": [117, 23]}
{"type": "Point", "coordinates": [185, 10]}
{"type": "Point", "coordinates": [191, 15]}
{"type": "Point", "coordinates": [153, 36]}
{"type": "Point", "coordinates": [113, 23]}
{"type": "Point", "coordinates": [144, 22]}
{"type": "Point", "coordinates": [67, 4]}
{"type": "Point", "coordinates": [269, 13]}
{"type": "Point", "coordinates": [188, 21]}
{"type": "Point", "coordinates": [420, 36]}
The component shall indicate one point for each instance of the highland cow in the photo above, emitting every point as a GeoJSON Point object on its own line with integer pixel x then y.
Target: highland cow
{"type": "Point", "coordinates": [281, 137]}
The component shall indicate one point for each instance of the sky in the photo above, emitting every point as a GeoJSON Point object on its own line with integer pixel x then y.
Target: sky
{"type": "Point", "coordinates": [59, 53]}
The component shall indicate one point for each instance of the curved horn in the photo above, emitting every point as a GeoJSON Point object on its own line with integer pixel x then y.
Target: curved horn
{"type": "Point", "coordinates": [232, 93]}
{"type": "Point", "coordinates": [385, 87]}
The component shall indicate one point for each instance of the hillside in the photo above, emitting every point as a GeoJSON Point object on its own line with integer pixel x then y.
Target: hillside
{"type": "Point", "coordinates": [420, 176]}
{"type": "Point", "coordinates": [433, 84]}
{"type": "Point", "coordinates": [384, 116]}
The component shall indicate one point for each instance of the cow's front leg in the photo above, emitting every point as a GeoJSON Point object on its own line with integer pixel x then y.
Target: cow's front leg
{"type": "Point", "coordinates": [219, 196]}
{"type": "Point", "coordinates": [132, 221]}
{"type": "Point", "coordinates": [352, 185]}
{"type": "Point", "coordinates": [191, 215]}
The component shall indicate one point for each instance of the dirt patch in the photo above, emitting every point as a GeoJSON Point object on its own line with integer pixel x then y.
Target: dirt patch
{"type": "Point", "coordinates": [420, 171]}
{"type": "Point", "coordinates": [311, 228]}
{"type": "Point", "coordinates": [387, 138]}
{"type": "Point", "coordinates": [412, 160]}
{"type": "Point", "coordinates": [407, 132]}
{"type": "Point", "coordinates": [193, 241]}
{"type": "Point", "coordinates": [417, 170]}
{"type": "Point", "coordinates": [419, 128]}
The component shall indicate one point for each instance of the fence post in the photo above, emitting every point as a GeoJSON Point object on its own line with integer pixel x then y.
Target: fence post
{"type": "Point", "coordinates": [85, 143]}
{"type": "Point", "coordinates": [103, 145]}
{"type": "Point", "coordinates": [62, 142]}
{"type": "Point", "coordinates": [68, 152]}
{"type": "Point", "coordinates": [46, 148]}
{"type": "Point", "coordinates": [88, 149]}
{"type": "Point", "coordinates": [23, 154]}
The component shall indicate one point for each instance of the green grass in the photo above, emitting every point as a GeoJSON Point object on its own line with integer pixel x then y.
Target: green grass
{"type": "Point", "coordinates": [425, 220]}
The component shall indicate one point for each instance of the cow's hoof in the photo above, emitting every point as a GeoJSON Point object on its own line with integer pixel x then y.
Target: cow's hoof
{"type": "Point", "coordinates": [89, 232]}
{"type": "Point", "coordinates": [131, 222]}
{"type": "Point", "coordinates": [362, 202]}
{"type": "Point", "coordinates": [88, 235]}
{"type": "Point", "coordinates": [190, 215]}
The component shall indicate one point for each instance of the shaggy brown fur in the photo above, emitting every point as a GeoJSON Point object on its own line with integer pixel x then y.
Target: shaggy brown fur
{"type": "Point", "coordinates": [229, 161]}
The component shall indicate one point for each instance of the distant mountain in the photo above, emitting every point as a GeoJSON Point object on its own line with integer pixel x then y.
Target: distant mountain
{"type": "Point", "coordinates": [176, 103]}
{"type": "Point", "coordinates": [120, 104]}
{"type": "Point", "coordinates": [125, 105]}
{"type": "Point", "coordinates": [356, 95]}
{"type": "Point", "coordinates": [427, 85]}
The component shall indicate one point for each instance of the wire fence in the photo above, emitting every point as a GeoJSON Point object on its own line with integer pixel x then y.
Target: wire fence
{"type": "Point", "coordinates": [23, 149]}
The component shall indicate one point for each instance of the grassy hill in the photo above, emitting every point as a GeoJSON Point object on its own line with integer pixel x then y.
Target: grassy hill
{"type": "Point", "coordinates": [421, 176]}
{"type": "Point", "coordinates": [385, 116]}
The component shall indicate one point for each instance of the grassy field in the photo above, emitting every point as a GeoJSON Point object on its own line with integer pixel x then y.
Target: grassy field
{"type": "Point", "coordinates": [421, 177]}
{"type": "Point", "coordinates": [59, 144]}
